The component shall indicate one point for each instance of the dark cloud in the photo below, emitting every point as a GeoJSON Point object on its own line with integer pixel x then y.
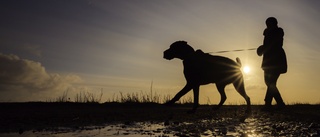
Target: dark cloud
{"type": "Point", "coordinates": [22, 77]}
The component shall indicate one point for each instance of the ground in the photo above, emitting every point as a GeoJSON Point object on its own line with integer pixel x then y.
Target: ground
{"type": "Point", "coordinates": [43, 116]}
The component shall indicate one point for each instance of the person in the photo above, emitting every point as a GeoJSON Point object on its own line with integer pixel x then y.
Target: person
{"type": "Point", "coordinates": [274, 61]}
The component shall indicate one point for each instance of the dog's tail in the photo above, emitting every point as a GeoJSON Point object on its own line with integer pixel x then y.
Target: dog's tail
{"type": "Point", "coordinates": [239, 62]}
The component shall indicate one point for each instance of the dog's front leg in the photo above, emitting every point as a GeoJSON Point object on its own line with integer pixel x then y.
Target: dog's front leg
{"type": "Point", "coordinates": [183, 91]}
{"type": "Point", "coordinates": [195, 99]}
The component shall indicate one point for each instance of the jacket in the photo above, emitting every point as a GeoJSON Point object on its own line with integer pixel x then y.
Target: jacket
{"type": "Point", "coordinates": [274, 57]}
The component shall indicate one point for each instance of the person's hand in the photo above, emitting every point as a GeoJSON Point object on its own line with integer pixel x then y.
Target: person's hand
{"type": "Point", "coordinates": [260, 50]}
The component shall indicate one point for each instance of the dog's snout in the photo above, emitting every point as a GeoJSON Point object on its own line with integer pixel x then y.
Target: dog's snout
{"type": "Point", "coordinates": [167, 55]}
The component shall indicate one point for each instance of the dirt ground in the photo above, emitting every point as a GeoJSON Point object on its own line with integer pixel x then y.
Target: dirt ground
{"type": "Point", "coordinates": [41, 116]}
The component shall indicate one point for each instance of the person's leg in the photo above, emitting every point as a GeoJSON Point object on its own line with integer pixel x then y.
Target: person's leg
{"type": "Point", "coordinates": [272, 88]}
{"type": "Point", "coordinates": [268, 97]}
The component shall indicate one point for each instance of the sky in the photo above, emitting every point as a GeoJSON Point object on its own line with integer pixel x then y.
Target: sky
{"type": "Point", "coordinates": [48, 48]}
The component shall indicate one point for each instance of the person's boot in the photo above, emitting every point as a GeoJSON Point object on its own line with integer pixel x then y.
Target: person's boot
{"type": "Point", "coordinates": [281, 106]}
{"type": "Point", "coordinates": [268, 99]}
{"type": "Point", "coordinates": [280, 103]}
{"type": "Point", "coordinates": [266, 108]}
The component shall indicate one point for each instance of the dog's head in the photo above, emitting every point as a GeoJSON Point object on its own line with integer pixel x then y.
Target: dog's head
{"type": "Point", "coordinates": [178, 49]}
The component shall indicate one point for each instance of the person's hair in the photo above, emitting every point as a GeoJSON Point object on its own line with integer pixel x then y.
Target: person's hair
{"type": "Point", "coordinates": [272, 21]}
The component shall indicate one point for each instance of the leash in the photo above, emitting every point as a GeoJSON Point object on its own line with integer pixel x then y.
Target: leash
{"type": "Point", "coordinates": [223, 51]}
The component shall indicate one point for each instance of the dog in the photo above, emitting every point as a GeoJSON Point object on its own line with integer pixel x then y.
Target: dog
{"type": "Point", "coordinates": [202, 68]}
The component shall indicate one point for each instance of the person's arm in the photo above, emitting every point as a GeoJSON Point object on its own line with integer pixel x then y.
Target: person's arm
{"type": "Point", "coordinates": [261, 49]}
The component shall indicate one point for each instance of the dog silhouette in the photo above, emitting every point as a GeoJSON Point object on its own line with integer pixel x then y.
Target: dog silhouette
{"type": "Point", "coordinates": [201, 68]}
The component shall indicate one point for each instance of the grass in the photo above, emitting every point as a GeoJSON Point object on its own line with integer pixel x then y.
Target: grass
{"type": "Point", "coordinates": [81, 97]}
{"type": "Point", "coordinates": [143, 97]}
{"type": "Point", "coordinates": [87, 97]}
{"type": "Point", "coordinates": [134, 97]}
{"type": "Point", "coordinates": [137, 97]}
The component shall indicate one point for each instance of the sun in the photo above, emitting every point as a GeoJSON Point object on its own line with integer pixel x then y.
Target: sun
{"type": "Point", "coordinates": [246, 69]}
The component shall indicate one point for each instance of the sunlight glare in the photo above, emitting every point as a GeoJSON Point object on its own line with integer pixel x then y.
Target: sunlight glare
{"type": "Point", "coordinates": [246, 69]}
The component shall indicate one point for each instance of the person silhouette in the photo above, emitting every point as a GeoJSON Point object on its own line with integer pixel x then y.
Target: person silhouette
{"type": "Point", "coordinates": [274, 61]}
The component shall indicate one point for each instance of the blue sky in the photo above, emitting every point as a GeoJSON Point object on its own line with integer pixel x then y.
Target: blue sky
{"type": "Point", "coordinates": [88, 45]}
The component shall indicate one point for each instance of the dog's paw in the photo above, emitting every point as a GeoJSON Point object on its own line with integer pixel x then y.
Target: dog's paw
{"type": "Point", "coordinates": [169, 103]}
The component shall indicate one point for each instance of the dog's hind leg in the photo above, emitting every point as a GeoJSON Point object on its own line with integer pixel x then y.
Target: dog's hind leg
{"type": "Point", "coordinates": [223, 96]}
{"type": "Point", "coordinates": [239, 86]}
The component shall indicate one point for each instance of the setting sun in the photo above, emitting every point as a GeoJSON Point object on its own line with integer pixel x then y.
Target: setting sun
{"type": "Point", "coordinates": [246, 69]}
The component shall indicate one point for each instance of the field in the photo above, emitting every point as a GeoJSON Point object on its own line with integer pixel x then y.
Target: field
{"type": "Point", "coordinates": [299, 119]}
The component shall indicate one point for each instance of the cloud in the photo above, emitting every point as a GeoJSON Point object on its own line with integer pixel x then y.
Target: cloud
{"type": "Point", "coordinates": [27, 80]}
